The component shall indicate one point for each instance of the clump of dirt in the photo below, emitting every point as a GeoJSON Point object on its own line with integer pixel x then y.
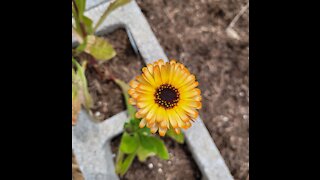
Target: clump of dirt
{"type": "Point", "coordinates": [194, 32]}
{"type": "Point", "coordinates": [107, 96]}
{"type": "Point", "coordinates": [180, 166]}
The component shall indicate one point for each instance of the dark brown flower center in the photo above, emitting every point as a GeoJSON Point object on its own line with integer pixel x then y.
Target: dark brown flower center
{"type": "Point", "coordinates": [167, 96]}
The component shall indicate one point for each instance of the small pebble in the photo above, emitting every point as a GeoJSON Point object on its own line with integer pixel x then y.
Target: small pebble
{"type": "Point", "coordinates": [150, 165]}
{"type": "Point", "coordinates": [105, 109]}
{"type": "Point", "coordinates": [159, 165]}
{"type": "Point", "coordinates": [225, 119]}
{"type": "Point", "coordinates": [97, 114]}
{"type": "Point", "coordinates": [169, 162]}
{"type": "Point", "coordinates": [160, 170]}
{"type": "Point", "coordinates": [241, 94]}
{"type": "Point", "coordinates": [245, 116]}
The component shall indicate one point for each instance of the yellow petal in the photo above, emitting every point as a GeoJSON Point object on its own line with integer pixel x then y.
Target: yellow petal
{"type": "Point", "coordinates": [190, 94]}
{"type": "Point", "coordinates": [187, 125]}
{"type": "Point", "coordinates": [160, 114]}
{"type": "Point", "coordinates": [190, 79]}
{"type": "Point", "coordinates": [173, 74]}
{"type": "Point", "coordinates": [157, 76]}
{"type": "Point", "coordinates": [141, 80]}
{"type": "Point", "coordinates": [143, 87]}
{"type": "Point", "coordinates": [151, 113]}
{"type": "Point", "coordinates": [173, 118]}
{"type": "Point", "coordinates": [154, 128]}
{"type": "Point", "coordinates": [164, 73]}
{"type": "Point", "coordinates": [150, 68]}
{"type": "Point", "coordinates": [189, 88]}
{"type": "Point", "coordinates": [162, 131]}
{"type": "Point", "coordinates": [133, 83]}
{"type": "Point", "coordinates": [176, 116]}
{"type": "Point", "coordinates": [183, 116]}
{"type": "Point", "coordinates": [138, 115]}
{"type": "Point", "coordinates": [160, 62]}
{"type": "Point", "coordinates": [142, 123]}
{"type": "Point", "coordinates": [177, 130]}
{"type": "Point", "coordinates": [131, 91]}
{"type": "Point", "coordinates": [143, 104]}
{"type": "Point", "coordinates": [163, 124]}
{"type": "Point", "coordinates": [191, 112]}
{"type": "Point", "coordinates": [132, 101]}
{"type": "Point", "coordinates": [173, 61]}
{"type": "Point", "coordinates": [192, 103]}
{"type": "Point", "coordinates": [154, 117]}
{"type": "Point", "coordinates": [148, 77]}
{"type": "Point", "coordinates": [145, 110]}
{"type": "Point", "coordinates": [182, 77]}
{"type": "Point", "coordinates": [171, 71]}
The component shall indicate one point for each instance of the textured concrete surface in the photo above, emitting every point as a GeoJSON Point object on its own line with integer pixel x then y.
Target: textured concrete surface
{"type": "Point", "coordinates": [93, 3]}
{"type": "Point", "coordinates": [90, 141]}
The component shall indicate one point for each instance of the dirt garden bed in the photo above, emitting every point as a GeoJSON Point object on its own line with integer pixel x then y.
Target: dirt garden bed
{"type": "Point", "coordinates": [195, 33]}
{"type": "Point", "coordinates": [107, 96]}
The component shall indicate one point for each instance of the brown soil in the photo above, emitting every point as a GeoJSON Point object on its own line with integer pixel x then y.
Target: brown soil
{"type": "Point", "coordinates": [179, 167]}
{"type": "Point", "coordinates": [107, 96]}
{"type": "Point", "coordinates": [194, 32]}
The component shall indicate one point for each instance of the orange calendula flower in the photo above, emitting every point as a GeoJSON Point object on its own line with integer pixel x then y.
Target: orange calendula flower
{"type": "Point", "coordinates": [166, 95]}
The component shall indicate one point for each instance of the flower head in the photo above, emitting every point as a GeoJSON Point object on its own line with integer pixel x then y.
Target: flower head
{"type": "Point", "coordinates": [166, 96]}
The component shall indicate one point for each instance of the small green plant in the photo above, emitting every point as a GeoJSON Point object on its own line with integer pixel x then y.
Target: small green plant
{"type": "Point", "coordinates": [98, 49]}
{"type": "Point", "coordinates": [140, 142]}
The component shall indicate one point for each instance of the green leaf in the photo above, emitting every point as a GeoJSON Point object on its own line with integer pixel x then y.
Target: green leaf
{"type": "Point", "coordinates": [81, 47]}
{"type": "Point", "coordinates": [177, 137]}
{"type": "Point", "coordinates": [80, 84]}
{"type": "Point", "coordinates": [162, 151]}
{"type": "Point", "coordinates": [114, 5]}
{"type": "Point", "coordinates": [143, 154]}
{"type": "Point", "coordinates": [81, 5]}
{"type": "Point", "coordinates": [119, 160]}
{"type": "Point", "coordinates": [125, 87]}
{"type": "Point", "coordinates": [150, 146]}
{"type": "Point", "coordinates": [88, 24]}
{"type": "Point", "coordinates": [145, 130]}
{"type": "Point", "coordinates": [99, 48]}
{"type": "Point", "coordinates": [78, 8]}
{"type": "Point", "coordinates": [127, 163]}
{"type": "Point", "coordinates": [80, 93]}
{"type": "Point", "coordinates": [147, 142]}
{"type": "Point", "coordinates": [129, 144]}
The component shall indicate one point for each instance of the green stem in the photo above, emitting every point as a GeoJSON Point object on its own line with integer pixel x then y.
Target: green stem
{"type": "Point", "coordinates": [125, 87]}
{"type": "Point", "coordinates": [77, 18]}
{"type": "Point", "coordinates": [119, 161]}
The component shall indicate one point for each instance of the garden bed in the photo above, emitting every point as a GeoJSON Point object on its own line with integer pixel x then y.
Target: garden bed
{"type": "Point", "coordinates": [194, 32]}
{"type": "Point", "coordinates": [107, 96]}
